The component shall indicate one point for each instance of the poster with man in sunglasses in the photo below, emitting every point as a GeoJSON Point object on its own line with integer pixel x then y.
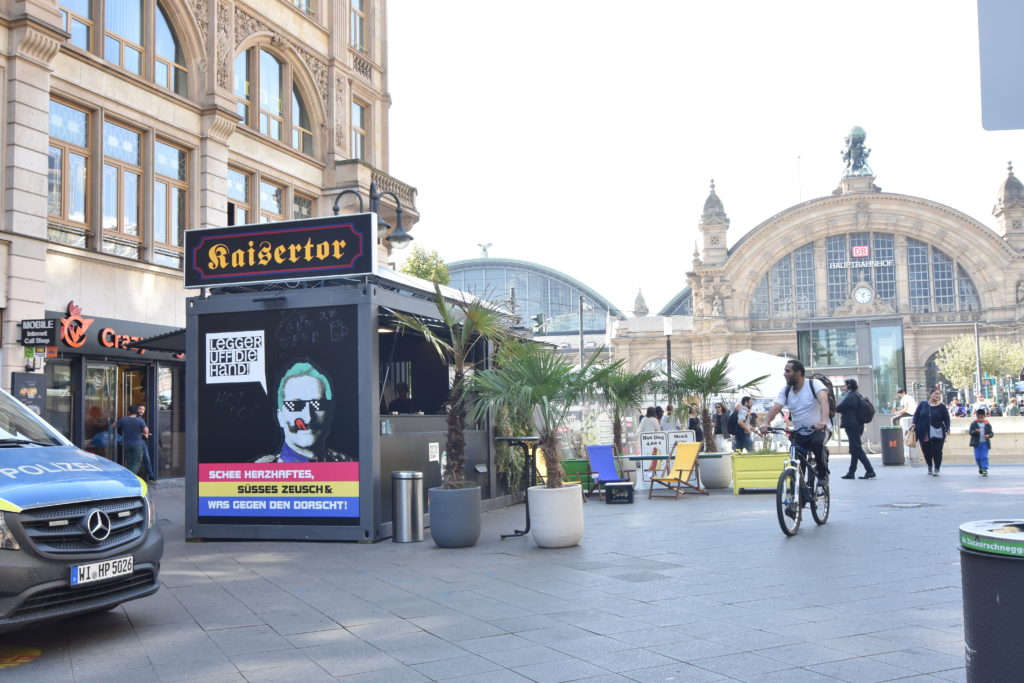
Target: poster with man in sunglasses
{"type": "Point", "coordinates": [277, 403]}
{"type": "Point", "coordinates": [305, 413]}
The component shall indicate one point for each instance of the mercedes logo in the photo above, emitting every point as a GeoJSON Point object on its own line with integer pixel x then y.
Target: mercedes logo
{"type": "Point", "coordinates": [97, 524]}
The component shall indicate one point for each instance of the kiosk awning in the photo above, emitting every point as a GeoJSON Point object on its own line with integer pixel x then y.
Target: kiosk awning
{"type": "Point", "coordinates": [169, 342]}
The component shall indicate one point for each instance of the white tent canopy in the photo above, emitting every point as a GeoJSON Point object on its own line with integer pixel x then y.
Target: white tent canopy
{"type": "Point", "coordinates": [748, 364]}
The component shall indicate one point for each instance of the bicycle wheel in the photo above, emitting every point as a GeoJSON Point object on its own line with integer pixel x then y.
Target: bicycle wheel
{"type": "Point", "coordinates": [820, 505]}
{"type": "Point", "coordinates": [787, 502]}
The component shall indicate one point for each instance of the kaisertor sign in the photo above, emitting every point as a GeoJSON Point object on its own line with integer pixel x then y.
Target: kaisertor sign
{"type": "Point", "coordinates": [308, 249]}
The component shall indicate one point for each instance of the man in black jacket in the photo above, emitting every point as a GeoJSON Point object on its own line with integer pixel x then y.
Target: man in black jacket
{"type": "Point", "coordinates": [849, 408]}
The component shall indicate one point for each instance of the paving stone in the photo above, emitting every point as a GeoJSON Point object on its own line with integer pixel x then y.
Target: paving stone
{"type": "Point", "coordinates": [458, 666]}
{"type": "Point", "coordinates": [740, 665]}
{"type": "Point", "coordinates": [560, 670]}
{"type": "Point", "coordinates": [861, 670]}
{"type": "Point", "coordinates": [673, 672]}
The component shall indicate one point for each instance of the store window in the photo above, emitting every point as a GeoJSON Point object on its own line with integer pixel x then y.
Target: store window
{"type": "Point", "coordinates": [137, 35]}
{"type": "Point", "coordinates": [887, 359]}
{"type": "Point", "coordinates": [828, 348]}
{"type": "Point", "coordinates": [58, 396]}
{"type": "Point", "coordinates": [261, 82]}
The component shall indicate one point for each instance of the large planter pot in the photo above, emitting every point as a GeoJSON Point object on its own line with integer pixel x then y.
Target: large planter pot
{"type": "Point", "coordinates": [556, 516]}
{"type": "Point", "coordinates": [715, 470]}
{"type": "Point", "coordinates": [455, 516]}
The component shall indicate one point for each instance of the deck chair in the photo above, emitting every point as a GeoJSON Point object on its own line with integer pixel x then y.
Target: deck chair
{"type": "Point", "coordinates": [577, 471]}
{"type": "Point", "coordinates": [684, 468]}
{"type": "Point", "coordinates": [602, 465]}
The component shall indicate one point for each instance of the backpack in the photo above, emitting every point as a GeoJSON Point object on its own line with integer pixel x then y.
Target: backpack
{"type": "Point", "coordinates": [827, 383]}
{"type": "Point", "coordinates": [866, 410]}
{"type": "Point", "coordinates": [732, 424]}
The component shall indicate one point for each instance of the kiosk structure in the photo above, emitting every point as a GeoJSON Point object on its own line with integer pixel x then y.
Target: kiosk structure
{"type": "Point", "coordinates": [293, 363]}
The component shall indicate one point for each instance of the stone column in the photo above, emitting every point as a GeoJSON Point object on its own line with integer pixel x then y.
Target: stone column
{"type": "Point", "coordinates": [902, 278]}
{"type": "Point", "coordinates": [821, 278]}
{"type": "Point", "coordinates": [33, 45]}
{"type": "Point", "coordinates": [218, 125]}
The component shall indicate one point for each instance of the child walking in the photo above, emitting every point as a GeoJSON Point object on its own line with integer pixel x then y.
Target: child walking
{"type": "Point", "coordinates": [981, 434]}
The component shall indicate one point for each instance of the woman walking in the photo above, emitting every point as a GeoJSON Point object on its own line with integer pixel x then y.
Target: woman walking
{"type": "Point", "coordinates": [931, 425]}
{"type": "Point", "coordinates": [720, 417]}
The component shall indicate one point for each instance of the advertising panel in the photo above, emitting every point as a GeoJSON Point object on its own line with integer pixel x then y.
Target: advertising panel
{"type": "Point", "coordinates": [307, 249]}
{"type": "Point", "coordinates": [277, 438]}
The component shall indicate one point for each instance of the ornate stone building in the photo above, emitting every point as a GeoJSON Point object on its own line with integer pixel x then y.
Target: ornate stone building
{"type": "Point", "coordinates": [126, 122]}
{"type": "Point", "coordinates": [862, 283]}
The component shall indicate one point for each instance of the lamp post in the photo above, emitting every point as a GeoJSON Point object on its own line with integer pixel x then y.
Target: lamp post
{"type": "Point", "coordinates": [398, 238]}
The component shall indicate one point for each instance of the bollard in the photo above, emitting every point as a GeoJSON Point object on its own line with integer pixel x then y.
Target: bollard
{"type": "Point", "coordinates": [406, 506]}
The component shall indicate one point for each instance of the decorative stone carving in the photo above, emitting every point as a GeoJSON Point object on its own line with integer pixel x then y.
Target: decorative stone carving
{"type": "Point", "coordinates": [863, 217]}
{"type": "Point", "coordinates": [363, 68]}
{"type": "Point", "coordinates": [224, 45]}
{"type": "Point", "coordinates": [198, 8]}
{"type": "Point", "coordinates": [1020, 291]}
{"type": "Point", "coordinates": [35, 45]}
{"type": "Point", "coordinates": [339, 113]}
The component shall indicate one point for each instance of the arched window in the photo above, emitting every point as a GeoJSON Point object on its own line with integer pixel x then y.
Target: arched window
{"type": "Point", "coordinates": [787, 290]}
{"type": "Point", "coordinates": [937, 283]}
{"type": "Point", "coordinates": [136, 35]}
{"type": "Point", "coordinates": [261, 81]}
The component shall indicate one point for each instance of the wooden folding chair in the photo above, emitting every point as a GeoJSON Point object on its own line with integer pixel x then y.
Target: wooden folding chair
{"type": "Point", "coordinates": [577, 471]}
{"type": "Point", "coordinates": [603, 466]}
{"type": "Point", "coordinates": [684, 468]}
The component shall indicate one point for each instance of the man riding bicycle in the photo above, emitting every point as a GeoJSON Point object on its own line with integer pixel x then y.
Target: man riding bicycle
{"type": "Point", "coordinates": [807, 402]}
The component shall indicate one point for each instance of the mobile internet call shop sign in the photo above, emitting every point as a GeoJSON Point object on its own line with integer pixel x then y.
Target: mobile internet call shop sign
{"type": "Point", "coordinates": [307, 249]}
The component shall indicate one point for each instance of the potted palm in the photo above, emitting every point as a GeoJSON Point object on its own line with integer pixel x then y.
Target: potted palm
{"type": "Point", "coordinates": [701, 385]}
{"type": "Point", "coordinates": [466, 327]}
{"type": "Point", "coordinates": [536, 380]}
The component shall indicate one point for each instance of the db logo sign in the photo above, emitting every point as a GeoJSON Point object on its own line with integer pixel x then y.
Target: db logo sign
{"type": "Point", "coordinates": [861, 251]}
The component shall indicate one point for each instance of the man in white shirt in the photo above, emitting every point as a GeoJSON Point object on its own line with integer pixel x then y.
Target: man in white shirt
{"type": "Point", "coordinates": [904, 416]}
{"type": "Point", "coordinates": [807, 401]}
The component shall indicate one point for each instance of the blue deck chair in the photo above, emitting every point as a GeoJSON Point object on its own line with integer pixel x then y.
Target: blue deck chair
{"type": "Point", "coordinates": [602, 464]}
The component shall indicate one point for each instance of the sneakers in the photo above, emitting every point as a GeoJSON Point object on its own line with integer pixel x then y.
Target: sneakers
{"type": "Point", "coordinates": [937, 473]}
{"type": "Point", "coordinates": [984, 473]}
{"type": "Point", "coordinates": [931, 472]}
{"type": "Point", "coordinates": [981, 470]}
{"type": "Point", "coordinates": [848, 475]}
{"type": "Point", "coordinates": [868, 475]}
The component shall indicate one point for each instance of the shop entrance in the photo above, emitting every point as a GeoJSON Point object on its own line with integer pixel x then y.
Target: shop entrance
{"type": "Point", "coordinates": [108, 391]}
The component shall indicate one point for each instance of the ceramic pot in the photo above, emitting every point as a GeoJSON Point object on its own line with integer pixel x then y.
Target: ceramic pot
{"type": "Point", "coordinates": [455, 516]}
{"type": "Point", "coordinates": [556, 516]}
{"type": "Point", "coordinates": [715, 470]}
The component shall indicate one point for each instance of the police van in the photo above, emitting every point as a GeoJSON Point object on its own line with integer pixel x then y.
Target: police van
{"type": "Point", "coordinates": [78, 532]}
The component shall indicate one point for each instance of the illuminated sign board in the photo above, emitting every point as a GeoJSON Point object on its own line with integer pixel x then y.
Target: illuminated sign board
{"type": "Point", "coordinates": [307, 249]}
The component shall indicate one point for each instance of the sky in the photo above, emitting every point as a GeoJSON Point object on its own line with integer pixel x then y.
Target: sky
{"type": "Point", "coordinates": [582, 134]}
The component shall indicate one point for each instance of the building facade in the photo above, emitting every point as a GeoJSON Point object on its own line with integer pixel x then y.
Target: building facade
{"type": "Point", "coordinates": [862, 283]}
{"type": "Point", "coordinates": [127, 122]}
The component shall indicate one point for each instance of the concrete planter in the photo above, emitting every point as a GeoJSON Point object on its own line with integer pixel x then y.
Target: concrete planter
{"type": "Point", "coordinates": [715, 470]}
{"type": "Point", "coordinates": [455, 517]}
{"type": "Point", "coordinates": [556, 516]}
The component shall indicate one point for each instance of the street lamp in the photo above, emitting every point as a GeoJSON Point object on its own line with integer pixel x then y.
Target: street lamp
{"type": "Point", "coordinates": [398, 238]}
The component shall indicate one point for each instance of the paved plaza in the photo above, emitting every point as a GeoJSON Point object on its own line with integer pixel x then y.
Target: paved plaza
{"type": "Point", "coordinates": [695, 589]}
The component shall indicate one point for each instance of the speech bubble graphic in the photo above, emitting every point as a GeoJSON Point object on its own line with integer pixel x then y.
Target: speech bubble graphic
{"type": "Point", "coordinates": [236, 357]}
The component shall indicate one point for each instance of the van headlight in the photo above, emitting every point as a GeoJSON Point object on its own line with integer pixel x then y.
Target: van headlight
{"type": "Point", "coordinates": [150, 511]}
{"type": "Point", "coordinates": [7, 539]}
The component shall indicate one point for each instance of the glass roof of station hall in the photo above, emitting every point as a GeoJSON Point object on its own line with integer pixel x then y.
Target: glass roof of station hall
{"type": "Point", "coordinates": [538, 290]}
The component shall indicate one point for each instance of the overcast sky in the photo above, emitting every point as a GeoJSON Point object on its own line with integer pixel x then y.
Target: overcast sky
{"type": "Point", "coordinates": [582, 134]}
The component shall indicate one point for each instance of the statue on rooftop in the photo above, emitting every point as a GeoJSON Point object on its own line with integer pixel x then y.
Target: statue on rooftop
{"type": "Point", "coordinates": [856, 154]}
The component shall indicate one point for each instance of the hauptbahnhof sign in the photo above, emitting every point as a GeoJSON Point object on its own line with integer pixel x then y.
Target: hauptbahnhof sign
{"type": "Point", "coordinates": [306, 249]}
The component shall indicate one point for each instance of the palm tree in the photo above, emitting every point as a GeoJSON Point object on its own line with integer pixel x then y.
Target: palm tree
{"type": "Point", "coordinates": [536, 380]}
{"type": "Point", "coordinates": [623, 391]}
{"type": "Point", "coordinates": [703, 384]}
{"type": "Point", "coordinates": [466, 326]}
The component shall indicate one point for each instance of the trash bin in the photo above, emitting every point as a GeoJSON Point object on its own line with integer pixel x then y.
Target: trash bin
{"type": "Point", "coordinates": [892, 445]}
{"type": "Point", "coordinates": [406, 506]}
{"type": "Point", "coordinates": [992, 576]}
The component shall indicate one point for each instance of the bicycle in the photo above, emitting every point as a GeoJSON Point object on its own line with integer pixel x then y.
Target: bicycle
{"type": "Point", "coordinates": [799, 486]}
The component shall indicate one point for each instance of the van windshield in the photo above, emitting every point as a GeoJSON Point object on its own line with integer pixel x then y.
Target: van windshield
{"type": "Point", "coordinates": [19, 424]}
